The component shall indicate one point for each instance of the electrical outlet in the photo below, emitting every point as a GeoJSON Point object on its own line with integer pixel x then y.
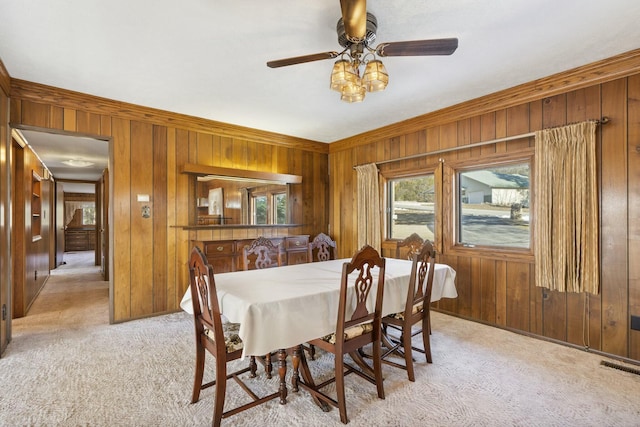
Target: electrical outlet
{"type": "Point", "coordinates": [635, 323]}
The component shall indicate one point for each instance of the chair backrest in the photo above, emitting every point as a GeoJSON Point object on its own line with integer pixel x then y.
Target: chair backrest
{"type": "Point", "coordinates": [361, 266]}
{"type": "Point", "coordinates": [421, 280]}
{"type": "Point", "coordinates": [324, 248]}
{"type": "Point", "coordinates": [206, 311]}
{"type": "Point", "coordinates": [264, 252]}
{"type": "Point", "coordinates": [412, 243]}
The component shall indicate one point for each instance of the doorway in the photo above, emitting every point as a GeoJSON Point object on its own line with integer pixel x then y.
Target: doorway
{"type": "Point", "coordinates": [74, 167]}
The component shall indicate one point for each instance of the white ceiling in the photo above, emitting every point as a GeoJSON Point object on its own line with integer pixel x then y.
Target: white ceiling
{"type": "Point", "coordinates": [207, 58]}
{"type": "Point", "coordinates": [54, 149]}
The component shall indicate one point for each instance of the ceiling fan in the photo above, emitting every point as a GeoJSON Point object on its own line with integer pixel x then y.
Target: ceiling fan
{"type": "Point", "coordinates": [356, 34]}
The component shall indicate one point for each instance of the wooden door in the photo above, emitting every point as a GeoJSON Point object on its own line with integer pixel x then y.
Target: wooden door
{"type": "Point", "coordinates": [59, 224]}
{"type": "Point", "coordinates": [104, 225]}
{"type": "Point", "coordinates": [5, 238]}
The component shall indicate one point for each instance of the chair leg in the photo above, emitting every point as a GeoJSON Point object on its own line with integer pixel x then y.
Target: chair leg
{"type": "Point", "coordinates": [221, 388]}
{"type": "Point", "coordinates": [426, 340]}
{"type": "Point", "coordinates": [377, 368]}
{"type": "Point", "coordinates": [312, 351]}
{"type": "Point", "coordinates": [253, 366]}
{"type": "Point", "coordinates": [408, 359]}
{"type": "Point", "coordinates": [342, 404]}
{"type": "Point", "coordinates": [197, 381]}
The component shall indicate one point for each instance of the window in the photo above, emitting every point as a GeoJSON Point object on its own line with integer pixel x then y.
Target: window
{"type": "Point", "coordinates": [77, 213]}
{"type": "Point", "coordinates": [280, 208]}
{"type": "Point", "coordinates": [493, 206]}
{"type": "Point", "coordinates": [411, 207]}
{"type": "Point", "coordinates": [268, 205]}
{"type": "Point", "coordinates": [259, 209]}
{"type": "Point", "coordinates": [89, 215]}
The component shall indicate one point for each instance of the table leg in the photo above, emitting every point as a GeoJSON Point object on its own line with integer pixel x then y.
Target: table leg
{"type": "Point", "coordinates": [282, 371]}
{"type": "Point", "coordinates": [296, 366]}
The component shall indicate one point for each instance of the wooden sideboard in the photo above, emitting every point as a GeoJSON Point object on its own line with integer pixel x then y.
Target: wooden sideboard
{"type": "Point", "coordinates": [226, 255]}
{"type": "Point", "coordinates": [80, 239]}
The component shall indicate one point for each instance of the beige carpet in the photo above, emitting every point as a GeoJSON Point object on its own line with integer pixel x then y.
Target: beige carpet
{"type": "Point", "coordinates": [66, 366]}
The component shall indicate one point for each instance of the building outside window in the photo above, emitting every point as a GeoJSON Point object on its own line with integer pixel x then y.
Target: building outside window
{"type": "Point", "coordinates": [493, 206]}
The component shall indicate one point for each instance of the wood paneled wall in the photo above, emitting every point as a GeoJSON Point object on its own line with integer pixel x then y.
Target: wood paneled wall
{"type": "Point", "coordinates": [148, 149]}
{"type": "Point", "coordinates": [502, 291]}
{"type": "Point", "coordinates": [5, 191]}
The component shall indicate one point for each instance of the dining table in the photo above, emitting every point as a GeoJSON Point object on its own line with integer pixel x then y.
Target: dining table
{"type": "Point", "coordinates": [281, 307]}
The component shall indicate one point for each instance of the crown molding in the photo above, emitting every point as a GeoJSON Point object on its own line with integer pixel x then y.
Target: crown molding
{"type": "Point", "coordinates": [39, 93]}
{"type": "Point", "coordinates": [616, 67]}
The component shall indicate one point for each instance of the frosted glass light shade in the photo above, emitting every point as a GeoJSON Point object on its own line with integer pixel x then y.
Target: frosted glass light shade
{"type": "Point", "coordinates": [375, 77]}
{"type": "Point", "coordinates": [342, 74]}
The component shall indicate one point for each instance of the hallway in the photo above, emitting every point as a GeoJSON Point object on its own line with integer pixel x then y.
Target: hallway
{"type": "Point", "coordinates": [74, 294]}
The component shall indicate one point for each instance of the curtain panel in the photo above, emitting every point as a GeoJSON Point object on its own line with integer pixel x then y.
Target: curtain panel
{"type": "Point", "coordinates": [566, 209]}
{"type": "Point", "coordinates": [368, 206]}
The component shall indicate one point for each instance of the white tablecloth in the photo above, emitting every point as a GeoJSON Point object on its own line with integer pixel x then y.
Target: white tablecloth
{"type": "Point", "coordinates": [284, 306]}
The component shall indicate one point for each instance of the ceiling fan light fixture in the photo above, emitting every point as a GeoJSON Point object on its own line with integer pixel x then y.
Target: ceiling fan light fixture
{"type": "Point", "coordinates": [342, 74]}
{"type": "Point", "coordinates": [353, 92]}
{"type": "Point", "coordinates": [375, 77]}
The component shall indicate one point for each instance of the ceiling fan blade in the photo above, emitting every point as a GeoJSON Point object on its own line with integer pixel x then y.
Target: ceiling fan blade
{"type": "Point", "coordinates": [301, 59]}
{"type": "Point", "coordinates": [418, 47]}
{"type": "Point", "coordinates": [354, 16]}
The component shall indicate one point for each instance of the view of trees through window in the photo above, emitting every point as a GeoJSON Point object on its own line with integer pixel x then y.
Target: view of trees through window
{"type": "Point", "coordinates": [89, 215]}
{"type": "Point", "coordinates": [268, 207]}
{"type": "Point", "coordinates": [281, 208]}
{"type": "Point", "coordinates": [493, 206]}
{"type": "Point", "coordinates": [260, 210]}
{"type": "Point", "coordinates": [412, 207]}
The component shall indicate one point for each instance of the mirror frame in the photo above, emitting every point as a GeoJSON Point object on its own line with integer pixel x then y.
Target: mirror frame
{"type": "Point", "coordinates": [197, 170]}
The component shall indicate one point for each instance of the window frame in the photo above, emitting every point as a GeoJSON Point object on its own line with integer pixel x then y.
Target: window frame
{"type": "Point", "coordinates": [451, 208]}
{"type": "Point", "coordinates": [274, 207]}
{"type": "Point", "coordinates": [387, 180]}
{"type": "Point", "coordinates": [252, 199]}
{"type": "Point", "coordinates": [271, 196]}
{"type": "Point", "coordinates": [84, 214]}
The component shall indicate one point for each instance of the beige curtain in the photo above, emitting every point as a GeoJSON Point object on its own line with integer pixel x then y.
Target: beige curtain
{"type": "Point", "coordinates": [566, 209]}
{"type": "Point", "coordinates": [439, 231]}
{"type": "Point", "coordinates": [368, 206]}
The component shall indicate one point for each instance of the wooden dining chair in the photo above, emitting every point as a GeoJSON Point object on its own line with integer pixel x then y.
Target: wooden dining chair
{"type": "Point", "coordinates": [323, 247]}
{"type": "Point", "coordinates": [417, 308]}
{"type": "Point", "coordinates": [261, 253]}
{"type": "Point", "coordinates": [219, 339]}
{"type": "Point", "coordinates": [356, 327]}
{"type": "Point", "coordinates": [407, 247]}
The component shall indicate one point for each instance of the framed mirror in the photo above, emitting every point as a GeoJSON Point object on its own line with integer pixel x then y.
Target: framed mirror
{"type": "Point", "coordinates": [226, 196]}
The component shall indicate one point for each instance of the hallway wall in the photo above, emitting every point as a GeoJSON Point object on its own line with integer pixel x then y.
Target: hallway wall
{"type": "Point", "coordinates": [5, 242]}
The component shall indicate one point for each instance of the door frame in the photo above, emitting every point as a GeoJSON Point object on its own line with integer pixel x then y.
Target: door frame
{"type": "Point", "coordinates": [108, 202]}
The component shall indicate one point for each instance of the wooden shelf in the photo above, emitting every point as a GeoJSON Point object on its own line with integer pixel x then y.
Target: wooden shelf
{"type": "Point", "coordinates": [36, 206]}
